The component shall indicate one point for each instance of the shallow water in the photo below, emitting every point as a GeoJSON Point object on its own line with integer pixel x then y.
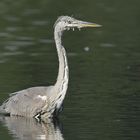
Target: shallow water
{"type": "Point", "coordinates": [103, 99]}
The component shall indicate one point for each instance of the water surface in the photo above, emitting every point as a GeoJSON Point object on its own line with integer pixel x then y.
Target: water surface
{"type": "Point", "coordinates": [102, 101]}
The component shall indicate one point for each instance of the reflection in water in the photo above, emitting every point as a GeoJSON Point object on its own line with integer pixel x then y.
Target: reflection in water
{"type": "Point", "coordinates": [30, 129]}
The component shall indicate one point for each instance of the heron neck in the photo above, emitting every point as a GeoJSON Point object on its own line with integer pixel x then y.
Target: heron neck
{"type": "Point", "coordinates": [63, 74]}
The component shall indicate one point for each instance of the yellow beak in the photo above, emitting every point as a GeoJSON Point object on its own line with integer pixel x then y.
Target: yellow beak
{"type": "Point", "coordinates": [88, 24]}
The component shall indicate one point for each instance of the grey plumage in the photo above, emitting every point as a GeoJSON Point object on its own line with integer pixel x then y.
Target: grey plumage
{"type": "Point", "coordinates": [43, 102]}
{"type": "Point", "coordinates": [26, 102]}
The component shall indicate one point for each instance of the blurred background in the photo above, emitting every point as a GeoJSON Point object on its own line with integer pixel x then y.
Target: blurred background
{"type": "Point", "coordinates": [103, 99]}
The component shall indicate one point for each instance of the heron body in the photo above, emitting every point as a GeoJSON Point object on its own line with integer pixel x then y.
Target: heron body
{"type": "Point", "coordinates": [45, 102]}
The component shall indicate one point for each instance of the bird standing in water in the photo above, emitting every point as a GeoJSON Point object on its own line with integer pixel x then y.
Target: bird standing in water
{"type": "Point", "coordinates": [45, 102]}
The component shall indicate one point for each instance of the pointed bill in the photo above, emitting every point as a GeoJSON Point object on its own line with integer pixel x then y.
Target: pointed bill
{"type": "Point", "coordinates": [88, 24]}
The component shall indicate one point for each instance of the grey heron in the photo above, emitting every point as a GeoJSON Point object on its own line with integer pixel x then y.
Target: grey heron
{"type": "Point", "coordinates": [45, 102]}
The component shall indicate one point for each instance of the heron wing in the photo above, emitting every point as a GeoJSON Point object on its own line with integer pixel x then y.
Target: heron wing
{"type": "Point", "coordinates": [27, 102]}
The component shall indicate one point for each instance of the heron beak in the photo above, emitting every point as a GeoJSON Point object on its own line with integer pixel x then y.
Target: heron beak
{"type": "Point", "coordinates": [88, 24]}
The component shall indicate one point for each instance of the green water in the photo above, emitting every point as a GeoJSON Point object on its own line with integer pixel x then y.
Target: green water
{"type": "Point", "coordinates": [103, 99]}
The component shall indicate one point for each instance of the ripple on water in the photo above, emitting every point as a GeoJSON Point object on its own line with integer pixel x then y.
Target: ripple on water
{"type": "Point", "coordinates": [11, 53]}
{"type": "Point", "coordinates": [4, 34]}
{"type": "Point", "coordinates": [107, 45]}
{"type": "Point", "coordinates": [24, 38]}
{"type": "Point", "coordinates": [21, 43]}
{"type": "Point", "coordinates": [11, 48]}
{"type": "Point", "coordinates": [11, 18]}
{"type": "Point", "coordinates": [40, 23]}
{"type": "Point", "coordinates": [13, 29]}
{"type": "Point", "coordinates": [46, 41]}
{"type": "Point", "coordinates": [3, 60]}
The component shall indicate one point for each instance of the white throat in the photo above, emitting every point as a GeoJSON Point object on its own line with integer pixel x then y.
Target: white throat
{"type": "Point", "coordinates": [63, 72]}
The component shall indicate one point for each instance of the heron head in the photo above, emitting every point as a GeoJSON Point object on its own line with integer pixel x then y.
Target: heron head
{"type": "Point", "coordinates": [66, 23]}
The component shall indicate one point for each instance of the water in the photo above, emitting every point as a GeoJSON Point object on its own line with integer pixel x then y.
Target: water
{"type": "Point", "coordinates": [102, 101]}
